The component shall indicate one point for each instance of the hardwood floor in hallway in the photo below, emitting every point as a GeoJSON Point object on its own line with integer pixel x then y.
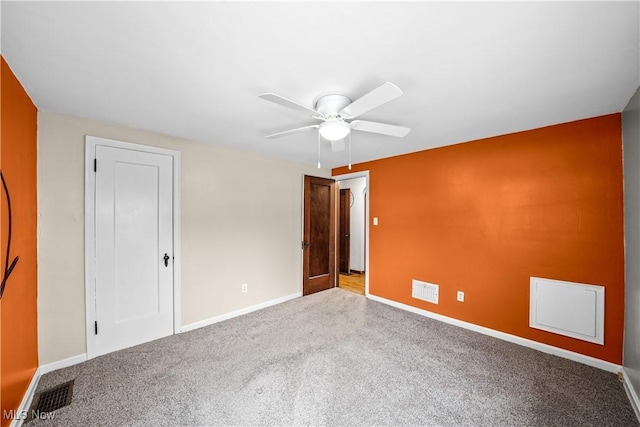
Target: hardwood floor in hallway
{"type": "Point", "coordinates": [353, 282]}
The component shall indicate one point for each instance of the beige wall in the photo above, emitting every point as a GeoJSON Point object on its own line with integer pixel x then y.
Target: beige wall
{"type": "Point", "coordinates": [241, 223]}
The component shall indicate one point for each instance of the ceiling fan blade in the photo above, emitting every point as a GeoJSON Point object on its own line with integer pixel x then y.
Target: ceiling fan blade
{"type": "Point", "coordinates": [380, 95]}
{"type": "Point", "coordinates": [277, 99]}
{"type": "Point", "coordinates": [287, 132]}
{"type": "Point", "coordinates": [382, 128]}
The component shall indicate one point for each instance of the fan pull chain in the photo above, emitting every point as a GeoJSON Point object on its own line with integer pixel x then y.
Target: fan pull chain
{"type": "Point", "coordinates": [349, 150]}
{"type": "Point", "coordinates": [318, 150]}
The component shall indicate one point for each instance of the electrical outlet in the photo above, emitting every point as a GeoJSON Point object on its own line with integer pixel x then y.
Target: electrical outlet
{"type": "Point", "coordinates": [245, 288]}
{"type": "Point", "coordinates": [460, 296]}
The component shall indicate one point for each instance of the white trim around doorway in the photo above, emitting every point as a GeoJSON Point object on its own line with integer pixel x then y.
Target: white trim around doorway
{"type": "Point", "coordinates": [362, 174]}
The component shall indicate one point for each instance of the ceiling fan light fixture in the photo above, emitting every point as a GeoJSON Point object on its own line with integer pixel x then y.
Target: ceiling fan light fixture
{"type": "Point", "coordinates": [335, 129]}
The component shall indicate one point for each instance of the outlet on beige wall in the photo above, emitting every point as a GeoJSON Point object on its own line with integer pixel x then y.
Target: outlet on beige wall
{"type": "Point", "coordinates": [241, 222]}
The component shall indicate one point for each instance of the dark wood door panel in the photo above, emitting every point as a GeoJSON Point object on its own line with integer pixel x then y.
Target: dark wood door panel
{"type": "Point", "coordinates": [344, 230]}
{"type": "Point", "coordinates": [319, 229]}
{"type": "Point", "coordinates": [319, 270]}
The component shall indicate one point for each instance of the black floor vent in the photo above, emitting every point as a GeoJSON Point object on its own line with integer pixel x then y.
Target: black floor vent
{"type": "Point", "coordinates": [51, 400]}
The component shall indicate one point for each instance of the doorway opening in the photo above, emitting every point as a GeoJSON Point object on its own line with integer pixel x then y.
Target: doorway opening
{"type": "Point", "coordinates": [353, 232]}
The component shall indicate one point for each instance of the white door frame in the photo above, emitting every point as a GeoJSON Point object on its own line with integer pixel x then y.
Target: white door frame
{"type": "Point", "coordinates": [90, 234]}
{"type": "Point", "coordinates": [362, 174]}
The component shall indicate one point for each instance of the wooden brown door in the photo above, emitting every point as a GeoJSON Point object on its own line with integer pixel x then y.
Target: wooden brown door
{"type": "Point", "coordinates": [319, 242]}
{"type": "Point", "coordinates": [344, 230]}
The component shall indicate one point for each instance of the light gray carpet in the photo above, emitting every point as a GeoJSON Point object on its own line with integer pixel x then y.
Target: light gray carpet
{"type": "Point", "coordinates": [336, 358]}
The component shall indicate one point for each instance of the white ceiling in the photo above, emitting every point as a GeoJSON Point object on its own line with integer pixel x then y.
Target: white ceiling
{"type": "Point", "coordinates": [195, 70]}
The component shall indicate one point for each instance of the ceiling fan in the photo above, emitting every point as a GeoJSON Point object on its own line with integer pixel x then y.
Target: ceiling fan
{"type": "Point", "coordinates": [337, 111]}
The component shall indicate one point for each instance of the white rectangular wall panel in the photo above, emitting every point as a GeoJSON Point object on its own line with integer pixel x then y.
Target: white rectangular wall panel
{"type": "Point", "coordinates": [572, 309]}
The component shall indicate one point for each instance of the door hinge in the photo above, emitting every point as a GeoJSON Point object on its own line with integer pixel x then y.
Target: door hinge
{"type": "Point", "coordinates": [95, 165]}
{"type": "Point", "coordinates": [305, 244]}
{"type": "Point", "coordinates": [95, 325]}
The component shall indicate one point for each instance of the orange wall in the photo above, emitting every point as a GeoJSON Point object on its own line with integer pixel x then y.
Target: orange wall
{"type": "Point", "coordinates": [18, 316]}
{"type": "Point", "coordinates": [484, 216]}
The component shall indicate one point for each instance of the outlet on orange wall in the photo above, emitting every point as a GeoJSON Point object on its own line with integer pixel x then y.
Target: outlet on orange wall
{"type": "Point", "coordinates": [487, 215]}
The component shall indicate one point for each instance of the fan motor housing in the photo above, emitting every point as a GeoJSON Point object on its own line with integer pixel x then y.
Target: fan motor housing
{"type": "Point", "coordinates": [331, 104]}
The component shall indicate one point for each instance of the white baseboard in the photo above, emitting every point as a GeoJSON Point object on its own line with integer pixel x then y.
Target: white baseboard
{"type": "Point", "coordinates": [26, 400]}
{"type": "Point", "coordinates": [220, 318]}
{"type": "Point", "coordinates": [631, 393]}
{"type": "Point", "coordinates": [43, 369]}
{"type": "Point", "coordinates": [577, 357]}
{"type": "Point", "coordinates": [74, 360]}
{"type": "Point", "coordinates": [64, 363]}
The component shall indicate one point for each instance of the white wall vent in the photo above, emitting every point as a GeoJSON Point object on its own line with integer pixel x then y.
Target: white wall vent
{"type": "Point", "coordinates": [425, 291]}
{"type": "Point", "coordinates": [572, 309]}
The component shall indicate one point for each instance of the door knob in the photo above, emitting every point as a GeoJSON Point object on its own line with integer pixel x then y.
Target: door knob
{"type": "Point", "coordinates": [166, 260]}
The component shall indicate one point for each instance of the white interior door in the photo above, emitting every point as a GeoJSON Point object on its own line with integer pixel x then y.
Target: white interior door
{"type": "Point", "coordinates": [133, 248]}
